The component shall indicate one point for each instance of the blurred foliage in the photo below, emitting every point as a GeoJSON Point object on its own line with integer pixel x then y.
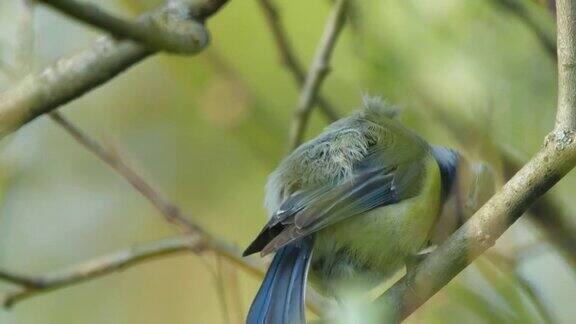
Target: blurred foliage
{"type": "Point", "coordinates": [208, 129]}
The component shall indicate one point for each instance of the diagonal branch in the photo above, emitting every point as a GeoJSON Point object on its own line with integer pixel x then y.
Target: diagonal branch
{"type": "Point", "coordinates": [170, 211]}
{"type": "Point", "coordinates": [70, 78]}
{"type": "Point", "coordinates": [546, 212]}
{"type": "Point", "coordinates": [546, 168]}
{"type": "Point", "coordinates": [168, 28]}
{"type": "Point", "coordinates": [288, 56]}
{"type": "Point", "coordinates": [96, 267]}
{"type": "Point", "coordinates": [317, 73]}
{"type": "Point", "coordinates": [204, 241]}
{"type": "Point", "coordinates": [549, 165]}
{"type": "Point", "coordinates": [18, 279]}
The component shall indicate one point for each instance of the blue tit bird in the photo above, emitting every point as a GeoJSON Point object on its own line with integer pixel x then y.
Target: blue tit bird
{"type": "Point", "coordinates": [350, 207]}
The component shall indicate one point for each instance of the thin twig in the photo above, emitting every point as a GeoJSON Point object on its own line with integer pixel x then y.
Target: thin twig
{"type": "Point", "coordinates": [288, 55]}
{"type": "Point", "coordinates": [317, 73]}
{"type": "Point", "coordinates": [221, 291]}
{"type": "Point", "coordinates": [168, 209]}
{"type": "Point", "coordinates": [171, 213]}
{"type": "Point", "coordinates": [518, 9]}
{"type": "Point", "coordinates": [25, 38]}
{"type": "Point", "coordinates": [18, 279]}
{"type": "Point", "coordinates": [101, 266]}
{"type": "Point", "coordinates": [480, 232]}
{"type": "Point", "coordinates": [95, 268]}
{"type": "Point", "coordinates": [156, 29]}
{"type": "Point", "coordinates": [8, 70]}
{"type": "Point", "coordinates": [536, 298]}
{"type": "Point", "coordinates": [510, 265]}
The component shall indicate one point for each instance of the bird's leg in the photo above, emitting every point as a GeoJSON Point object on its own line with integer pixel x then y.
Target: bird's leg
{"type": "Point", "coordinates": [414, 259]}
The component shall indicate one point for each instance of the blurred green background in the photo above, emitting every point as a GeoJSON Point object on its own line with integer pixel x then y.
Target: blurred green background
{"type": "Point", "coordinates": [208, 129]}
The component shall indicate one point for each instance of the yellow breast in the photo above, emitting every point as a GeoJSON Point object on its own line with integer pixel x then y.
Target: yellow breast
{"type": "Point", "coordinates": [380, 240]}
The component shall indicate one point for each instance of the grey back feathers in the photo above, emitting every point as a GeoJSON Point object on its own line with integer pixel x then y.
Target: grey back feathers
{"type": "Point", "coordinates": [332, 156]}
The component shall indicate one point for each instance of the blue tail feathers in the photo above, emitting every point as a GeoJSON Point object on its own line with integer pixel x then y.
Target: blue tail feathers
{"type": "Point", "coordinates": [280, 299]}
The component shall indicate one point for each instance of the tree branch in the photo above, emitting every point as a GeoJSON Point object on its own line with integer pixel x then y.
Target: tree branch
{"type": "Point", "coordinates": [107, 264]}
{"type": "Point", "coordinates": [566, 20]}
{"type": "Point", "coordinates": [551, 219]}
{"type": "Point", "coordinates": [204, 241]}
{"type": "Point", "coordinates": [98, 267]}
{"type": "Point", "coordinates": [317, 73]}
{"type": "Point", "coordinates": [288, 56]}
{"type": "Point", "coordinates": [18, 279]}
{"type": "Point", "coordinates": [169, 28]}
{"type": "Point", "coordinates": [549, 165]}
{"type": "Point", "coordinates": [480, 232]}
{"type": "Point", "coordinates": [70, 78]}
{"type": "Point", "coordinates": [171, 213]}
{"type": "Point", "coordinates": [548, 215]}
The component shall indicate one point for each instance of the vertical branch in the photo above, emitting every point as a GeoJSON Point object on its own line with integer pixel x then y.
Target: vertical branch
{"type": "Point", "coordinates": [8, 70]}
{"type": "Point", "coordinates": [288, 56]}
{"type": "Point", "coordinates": [25, 45]}
{"type": "Point", "coordinates": [566, 21]}
{"type": "Point", "coordinates": [317, 73]}
{"type": "Point", "coordinates": [221, 290]}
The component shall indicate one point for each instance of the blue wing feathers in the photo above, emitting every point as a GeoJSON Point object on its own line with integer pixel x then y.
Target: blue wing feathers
{"type": "Point", "coordinates": [448, 161]}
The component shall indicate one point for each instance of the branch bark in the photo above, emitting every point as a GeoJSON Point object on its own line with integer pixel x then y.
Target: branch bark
{"type": "Point", "coordinates": [169, 28]}
{"type": "Point", "coordinates": [170, 211]}
{"type": "Point", "coordinates": [288, 56]}
{"type": "Point", "coordinates": [566, 20]}
{"type": "Point", "coordinates": [551, 219]}
{"type": "Point", "coordinates": [70, 78]}
{"type": "Point", "coordinates": [549, 165]}
{"type": "Point", "coordinates": [317, 73]}
{"type": "Point", "coordinates": [97, 267]}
